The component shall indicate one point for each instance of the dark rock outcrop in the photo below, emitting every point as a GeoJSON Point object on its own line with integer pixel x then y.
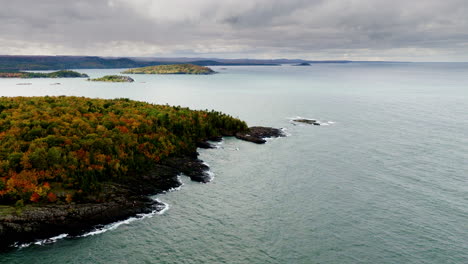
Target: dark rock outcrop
{"type": "Point", "coordinates": [41, 222]}
{"type": "Point", "coordinates": [205, 145]}
{"type": "Point", "coordinates": [258, 134]}
{"type": "Point", "coordinates": [307, 121]}
{"type": "Point", "coordinates": [120, 201]}
{"type": "Point", "coordinates": [127, 79]}
{"type": "Point", "coordinates": [191, 167]}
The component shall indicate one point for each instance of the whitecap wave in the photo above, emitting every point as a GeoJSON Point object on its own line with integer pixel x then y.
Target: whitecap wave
{"type": "Point", "coordinates": [286, 132]}
{"type": "Point", "coordinates": [41, 242]}
{"type": "Point", "coordinates": [112, 226]}
{"type": "Point", "coordinates": [211, 174]}
{"type": "Point", "coordinates": [218, 144]}
{"type": "Point", "coordinates": [174, 189]}
{"type": "Point", "coordinates": [163, 211]}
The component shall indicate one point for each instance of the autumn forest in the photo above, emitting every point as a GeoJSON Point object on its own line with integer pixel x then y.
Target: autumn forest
{"type": "Point", "coordinates": [58, 149]}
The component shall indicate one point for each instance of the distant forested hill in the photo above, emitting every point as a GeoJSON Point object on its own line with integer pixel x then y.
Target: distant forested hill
{"type": "Point", "coordinates": [66, 62]}
{"type": "Point", "coordinates": [38, 63]}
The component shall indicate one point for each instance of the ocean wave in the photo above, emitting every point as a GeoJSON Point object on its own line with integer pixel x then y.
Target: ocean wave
{"type": "Point", "coordinates": [211, 174]}
{"type": "Point", "coordinates": [218, 144]}
{"type": "Point", "coordinates": [286, 132]}
{"type": "Point", "coordinates": [179, 180]}
{"type": "Point", "coordinates": [41, 242]}
{"type": "Point", "coordinates": [115, 225]}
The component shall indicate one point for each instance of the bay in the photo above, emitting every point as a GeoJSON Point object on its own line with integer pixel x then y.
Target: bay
{"type": "Point", "coordinates": [384, 181]}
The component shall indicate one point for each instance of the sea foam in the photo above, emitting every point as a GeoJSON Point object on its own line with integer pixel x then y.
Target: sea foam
{"type": "Point", "coordinates": [112, 226]}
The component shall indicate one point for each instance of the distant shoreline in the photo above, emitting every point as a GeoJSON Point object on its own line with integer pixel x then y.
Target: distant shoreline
{"type": "Point", "coordinates": [40, 63]}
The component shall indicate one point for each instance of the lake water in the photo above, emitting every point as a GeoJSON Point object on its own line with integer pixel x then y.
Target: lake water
{"type": "Point", "coordinates": [385, 182]}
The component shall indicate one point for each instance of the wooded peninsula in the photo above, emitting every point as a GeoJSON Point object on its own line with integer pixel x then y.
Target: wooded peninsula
{"type": "Point", "coordinates": [68, 164]}
{"type": "Point", "coordinates": [60, 149]}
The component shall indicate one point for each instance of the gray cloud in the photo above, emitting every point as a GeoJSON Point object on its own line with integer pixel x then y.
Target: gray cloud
{"type": "Point", "coordinates": [312, 29]}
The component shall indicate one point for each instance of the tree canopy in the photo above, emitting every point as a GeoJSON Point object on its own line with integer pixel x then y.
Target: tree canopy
{"type": "Point", "coordinates": [56, 74]}
{"type": "Point", "coordinates": [57, 148]}
{"type": "Point", "coordinates": [172, 69]}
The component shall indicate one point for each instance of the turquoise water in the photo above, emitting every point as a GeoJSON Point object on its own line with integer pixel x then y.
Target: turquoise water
{"type": "Point", "coordinates": [387, 182]}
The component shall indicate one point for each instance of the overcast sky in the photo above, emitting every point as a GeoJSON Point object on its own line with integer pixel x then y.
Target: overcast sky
{"type": "Point", "coordinates": [409, 30]}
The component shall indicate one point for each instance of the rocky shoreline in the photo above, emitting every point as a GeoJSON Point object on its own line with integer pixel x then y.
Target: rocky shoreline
{"type": "Point", "coordinates": [121, 201]}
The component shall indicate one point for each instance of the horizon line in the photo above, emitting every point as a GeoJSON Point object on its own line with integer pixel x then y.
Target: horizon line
{"type": "Point", "coordinates": [220, 58]}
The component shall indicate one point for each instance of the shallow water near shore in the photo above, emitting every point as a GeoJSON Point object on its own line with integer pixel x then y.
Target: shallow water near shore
{"type": "Point", "coordinates": [386, 181]}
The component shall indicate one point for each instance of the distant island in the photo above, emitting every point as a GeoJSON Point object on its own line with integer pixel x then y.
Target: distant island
{"type": "Point", "coordinates": [307, 121]}
{"type": "Point", "coordinates": [70, 163]}
{"type": "Point", "coordinates": [302, 64]}
{"type": "Point", "coordinates": [28, 75]}
{"type": "Point", "coordinates": [112, 78]}
{"type": "Point", "coordinates": [171, 69]}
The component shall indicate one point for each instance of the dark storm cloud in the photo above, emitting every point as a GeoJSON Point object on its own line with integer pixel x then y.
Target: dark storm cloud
{"type": "Point", "coordinates": [334, 29]}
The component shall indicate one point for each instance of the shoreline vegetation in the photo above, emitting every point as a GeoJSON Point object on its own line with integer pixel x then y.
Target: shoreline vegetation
{"type": "Point", "coordinates": [68, 164]}
{"type": "Point", "coordinates": [112, 78]}
{"type": "Point", "coordinates": [172, 69]}
{"type": "Point", "coordinates": [30, 75]}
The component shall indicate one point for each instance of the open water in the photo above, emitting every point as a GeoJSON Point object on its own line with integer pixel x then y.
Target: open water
{"type": "Point", "coordinates": [384, 181]}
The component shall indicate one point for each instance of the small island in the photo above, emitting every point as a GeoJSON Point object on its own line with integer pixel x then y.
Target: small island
{"type": "Point", "coordinates": [30, 75]}
{"type": "Point", "coordinates": [172, 69]}
{"type": "Point", "coordinates": [112, 78]}
{"type": "Point", "coordinates": [68, 164]}
{"type": "Point", "coordinates": [302, 64]}
{"type": "Point", "coordinates": [307, 121]}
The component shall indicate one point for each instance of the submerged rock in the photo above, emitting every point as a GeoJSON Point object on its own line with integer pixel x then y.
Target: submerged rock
{"type": "Point", "coordinates": [304, 120]}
